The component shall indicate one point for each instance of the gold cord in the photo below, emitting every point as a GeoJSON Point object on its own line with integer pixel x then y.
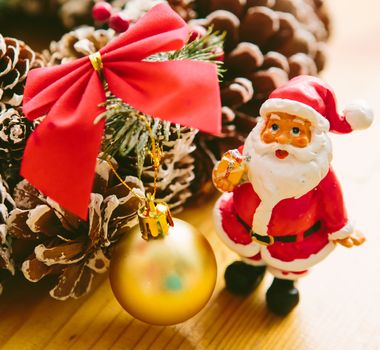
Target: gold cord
{"type": "Point", "coordinates": [156, 154]}
{"type": "Point", "coordinates": [123, 182]}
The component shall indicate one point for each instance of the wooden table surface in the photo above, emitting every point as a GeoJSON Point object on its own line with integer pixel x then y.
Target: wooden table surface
{"type": "Point", "coordinates": [340, 299]}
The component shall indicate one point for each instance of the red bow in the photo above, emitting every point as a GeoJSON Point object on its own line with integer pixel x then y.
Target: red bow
{"type": "Point", "coordinates": [60, 156]}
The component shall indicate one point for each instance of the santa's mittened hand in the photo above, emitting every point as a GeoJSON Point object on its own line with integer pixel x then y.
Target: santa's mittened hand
{"type": "Point", "coordinates": [229, 171]}
{"type": "Point", "coordinates": [355, 239]}
{"type": "Point", "coordinates": [221, 182]}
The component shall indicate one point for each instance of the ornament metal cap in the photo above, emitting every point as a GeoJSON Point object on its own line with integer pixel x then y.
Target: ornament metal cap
{"type": "Point", "coordinates": [154, 219]}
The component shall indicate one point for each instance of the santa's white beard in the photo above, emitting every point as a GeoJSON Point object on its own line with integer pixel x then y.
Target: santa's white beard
{"type": "Point", "coordinates": [275, 179]}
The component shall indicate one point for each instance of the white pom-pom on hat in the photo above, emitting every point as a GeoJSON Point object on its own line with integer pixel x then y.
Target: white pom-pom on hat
{"type": "Point", "coordinates": [359, 115]}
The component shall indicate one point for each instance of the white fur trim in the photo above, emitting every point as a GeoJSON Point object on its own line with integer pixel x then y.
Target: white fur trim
{"type": "Point", "coordinates": [288, 275]}
{"type": "Point", "coordinates": [248, 250]}
{"type": "Point", "coordinates": [359, 115]}
{"type": "Point", "coordinates": [262, 217]}
{"type": "Point", "coordinates": [296, 108]}
{"type": "Point", "coordinates": [297, 264]}
{"type": "Point", "coordinates": [344, 232]}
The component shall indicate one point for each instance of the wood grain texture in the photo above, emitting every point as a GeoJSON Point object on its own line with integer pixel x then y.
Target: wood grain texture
{"type": "Point", "coordinates": [340, 299]}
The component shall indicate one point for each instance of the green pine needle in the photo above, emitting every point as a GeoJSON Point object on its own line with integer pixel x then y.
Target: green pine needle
{"type": "Point", "coordinates": [126, 132]}
{"type": "Point", "coordinates": [206, 48]}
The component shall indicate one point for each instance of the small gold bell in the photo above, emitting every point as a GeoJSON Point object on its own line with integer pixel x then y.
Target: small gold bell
{"type": "Point", "coordinates": [154, 219]}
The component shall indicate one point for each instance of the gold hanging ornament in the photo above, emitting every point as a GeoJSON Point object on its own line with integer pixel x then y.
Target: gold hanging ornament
{"type": "Point", "coordinates": [163, 271]}
{"type": "Point", "coordinates": [163, 281]}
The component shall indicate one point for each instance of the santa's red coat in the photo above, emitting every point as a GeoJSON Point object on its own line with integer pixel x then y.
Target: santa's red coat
{"type": "Point", "coordinates": [289, 217]}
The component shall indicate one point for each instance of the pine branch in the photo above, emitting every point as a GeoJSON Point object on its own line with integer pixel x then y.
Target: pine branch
{"type": "Point", "coordinates": [206, 48]}
{"type": "Point", "coordinates": [126, 132]}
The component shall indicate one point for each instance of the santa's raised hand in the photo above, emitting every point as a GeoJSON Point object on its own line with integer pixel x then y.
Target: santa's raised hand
{"type": "Point", "coordinates": [230, 171]}
{"type": "Point", "coordinates": [287, 213]}
{"type": "Point", "coordinates": [355, 239]}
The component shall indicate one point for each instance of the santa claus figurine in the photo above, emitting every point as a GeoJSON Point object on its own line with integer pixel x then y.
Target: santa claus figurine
{"type": "Point", "coordinates": [283, 209]}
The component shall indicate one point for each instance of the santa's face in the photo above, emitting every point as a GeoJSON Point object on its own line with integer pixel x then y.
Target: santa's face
{"type": "Point", "coordinates": [288, 157]}
{"type": "Point", "coordinates": [286, 129]}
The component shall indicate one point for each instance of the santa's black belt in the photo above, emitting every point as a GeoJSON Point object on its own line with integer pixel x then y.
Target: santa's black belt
{"type": "Point", "coordinates": [269, 240]}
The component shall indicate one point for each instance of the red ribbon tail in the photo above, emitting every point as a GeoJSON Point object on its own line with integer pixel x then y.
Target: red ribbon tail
{"type": "Point", "coordinates": [60, 156]}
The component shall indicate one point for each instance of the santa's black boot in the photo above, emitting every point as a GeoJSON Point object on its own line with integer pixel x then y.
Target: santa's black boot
{"type": "Point", "coordinates": [242, 278]}
{"type": "Point", "coordinates": [282, 297]}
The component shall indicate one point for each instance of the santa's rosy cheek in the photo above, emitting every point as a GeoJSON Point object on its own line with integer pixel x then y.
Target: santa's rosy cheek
{"type": "Point", "coordinates": [300, 142]}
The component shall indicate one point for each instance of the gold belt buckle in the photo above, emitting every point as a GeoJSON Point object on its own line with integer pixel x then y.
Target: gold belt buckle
{"type": "Point", "coordinates": [271, 240]}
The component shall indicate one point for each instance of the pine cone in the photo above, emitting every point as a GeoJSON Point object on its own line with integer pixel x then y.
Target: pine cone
{"type": "Point", "coordinates": [16, 59]}
{"type": "Point", "coordinates": [65, 247]}
{"type": "Point", "coordinates": [204, 160]}
{"type": "Point", "coordinates": [185, 8]}
{"type": "Point", "coordinates": [14, 131]}
{"type": "Point", "coordinates": [268, 42]}
{"type": "Point", "coordinates": [77, 43]}
{"type": "Point", "coordinates": [6, 205]}
{"type": "Point", "coordinates": [175, 173]}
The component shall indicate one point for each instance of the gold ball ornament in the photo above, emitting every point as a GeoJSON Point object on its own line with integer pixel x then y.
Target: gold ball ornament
{"type": "Point", "coordinates": [163, 281]}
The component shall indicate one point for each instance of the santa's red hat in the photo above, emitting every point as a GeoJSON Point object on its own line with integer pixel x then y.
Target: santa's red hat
{"type": "Point", "coordinates": [311, 98]}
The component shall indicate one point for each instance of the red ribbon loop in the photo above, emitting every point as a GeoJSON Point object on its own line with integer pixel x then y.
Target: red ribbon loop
{"type": "Point", "coordinates": [60, 156]}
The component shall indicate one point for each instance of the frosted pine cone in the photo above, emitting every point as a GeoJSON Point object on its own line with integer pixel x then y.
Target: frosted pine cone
{"type": "Point", "coordinates": [176, 172]}
{"type": "Point", "coordinates": [77, 43]}
{"type": "Point", "coordinates": [66, 247]}
{"type": "Point", "coordinates": [6, 205]}
{"type": "Point", "coordinates": [16, 59]}
{"type": "Point", "coordinates": [185, 8]}
{"type": "Point", "coordinates": [14, 131]}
